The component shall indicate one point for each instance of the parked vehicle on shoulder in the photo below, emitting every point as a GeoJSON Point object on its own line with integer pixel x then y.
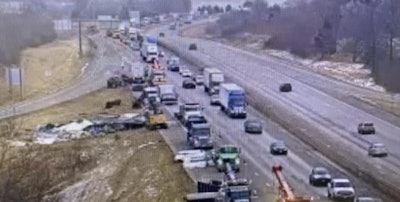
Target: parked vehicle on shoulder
{"type": "Point", "coordinates": [188, 84]}
{"type": "Point", "coordinates": [319, 176]}
{"type": "Point", "coordinates": [253, 126]}
{"type": "Point", "coordinates": [114, 82]}
{"type": "Point", "coordinates": [286, 87]}
{"type": "Point", "coordinates": [366, 128]}
{"type": "Point", "coordinates": [278, 148]}
{"type": "Point", "coordinates": [377, 150]}
{"type": "Point", "coordinates": [341, 189]}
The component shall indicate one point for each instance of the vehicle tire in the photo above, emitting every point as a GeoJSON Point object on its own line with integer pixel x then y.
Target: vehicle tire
{"type": "Point", "coordinates": [222, 108]}
{"type": "Point", "coordinates": [205, 89]}
{"type": "Point", "coordinates": [311, 182]}
{"type": "Point", "coordinates": [165, 126]}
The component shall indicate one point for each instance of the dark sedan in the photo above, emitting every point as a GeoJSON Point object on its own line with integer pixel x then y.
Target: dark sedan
{"type": "Point", "coordinates": [278, 148]}
{"type": "Point", "coordinates": [188, 83]}
{"type": "Point", "coordinates": [320, 176]}
{"type": "Point", "coordinates": [366, 128]}
{"type": "Point", "coordinates": [253, 126]}
{"type": "Point", "coordinates": [286, 87]}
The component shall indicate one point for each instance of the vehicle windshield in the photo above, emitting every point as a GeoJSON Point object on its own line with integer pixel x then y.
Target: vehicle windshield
{"type": "Point", "coordinates": [201, 131]}
{"type": "Point", "coordinates": [342, 184]}
{"type": "Point", "coordinates": [238, 100]}
{"type": "Point", "coordinates": [229, 150]}
{"type": "Point", "coordinates": [240, 195]}
{"type": "Point", "coordinates": [321, 172]}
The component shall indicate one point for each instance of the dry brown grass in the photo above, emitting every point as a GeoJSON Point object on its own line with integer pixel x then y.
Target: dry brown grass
{"type": "Point", "coordinates": [385, 104]}
{"type": "Point", "coordinates": [47, 68]}
{"type": "Point", "coordinates": [111, 168]}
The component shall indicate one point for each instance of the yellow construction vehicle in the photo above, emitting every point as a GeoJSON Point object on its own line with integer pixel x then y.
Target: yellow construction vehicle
{"type": "Point", "coordinates": [155, 117]}
{"type": "Point", "coordinates": [285, 192]}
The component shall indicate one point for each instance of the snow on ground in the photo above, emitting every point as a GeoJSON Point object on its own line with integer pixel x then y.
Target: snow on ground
{"type": "Point", "coordinates": [354, 73]}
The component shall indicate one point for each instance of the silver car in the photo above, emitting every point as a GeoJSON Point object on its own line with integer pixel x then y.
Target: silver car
{"type": "Point", "coordinates": [214, 99]}
{"type": "Point", "coordinates": [377, 150]}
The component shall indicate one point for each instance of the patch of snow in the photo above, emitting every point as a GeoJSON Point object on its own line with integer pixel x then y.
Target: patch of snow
{"type": "Point", "coordinates": [74, 126]}
{"type": "Point", "coordinates": [16, 143]}
{"type": "Point", "coordinates": [147, 144]}
{"type": "Point", "coordinates": [151, 191]}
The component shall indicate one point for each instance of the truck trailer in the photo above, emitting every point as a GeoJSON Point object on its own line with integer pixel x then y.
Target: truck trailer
{"type": "Point", "coordinates": [149, 49]}
{"type": "Point", "coordinates": [168, 94]}
{"type": "Point", "coordinates": [213, 77]}
{"type": "Point", "coordinates": [233, 100]}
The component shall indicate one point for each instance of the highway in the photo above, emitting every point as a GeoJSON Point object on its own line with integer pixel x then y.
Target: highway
{"type": "Point", "coordinates": [94, 78]}
{"type": "Point", "coordinates": [255, 148]}
{"type": "Point", "coordinates": [318, 127]}
{"type": "Point", "coordinates": [335, 120]}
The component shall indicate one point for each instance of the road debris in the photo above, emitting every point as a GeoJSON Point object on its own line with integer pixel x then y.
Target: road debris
{"type": "Point", "coordinates": [100, 126]}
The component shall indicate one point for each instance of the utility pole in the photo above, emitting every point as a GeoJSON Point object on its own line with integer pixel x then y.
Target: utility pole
{"type": "Point", "coordinates": [80, 39]}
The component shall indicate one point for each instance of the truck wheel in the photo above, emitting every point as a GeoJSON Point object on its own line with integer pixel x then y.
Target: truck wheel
{"type": "Point", "coordinates": [165, 126]}
{"type": "Point", "coordinates": [222, 108]}
{"type": "Point", "coordinates": [205, 89]}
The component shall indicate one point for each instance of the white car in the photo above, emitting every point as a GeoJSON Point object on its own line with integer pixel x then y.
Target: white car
{"type": "Point", "coordinates": [182, 155]}
{"type": "Point", "coordinates": [199, 79]}
{"type": "Point", "coordinates": [341, 189]}
{"type": "Point", "coordinates": [186, 73]}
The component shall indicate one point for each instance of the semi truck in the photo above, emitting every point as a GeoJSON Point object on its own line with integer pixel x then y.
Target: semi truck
{"type": "Point", "coordinates": [149, 49]}
{"type": "Point", "coordinates": [213, 77]}
{"type": "Point", "coordinates": [138, 73]}
{"type": "Point", "coordinates": [168, 95]}
{"type": "Point", "coordinates": [199, 136]}
{"type": "Point", "coordinates": [233, 100]}
{"type": "Point", "coordinates": [188, 109]}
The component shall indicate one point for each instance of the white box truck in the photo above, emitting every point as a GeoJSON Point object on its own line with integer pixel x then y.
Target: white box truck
{"type": "Point", "coordinates": [213, 77]}
{"type": "Point", "coordinates": [168, 94]}
{"type": "Point", "coordinates": [149, 52]}
{"type": "Point", "coordinates": [233, 100]}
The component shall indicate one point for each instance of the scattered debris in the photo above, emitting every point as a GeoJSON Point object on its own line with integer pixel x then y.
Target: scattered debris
{"type": "Point", "coordinates": [110, 104]}
{"type": "Point", "coordinates": [101, 126]}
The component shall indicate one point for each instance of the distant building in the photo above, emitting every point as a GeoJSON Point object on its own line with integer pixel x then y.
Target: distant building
{"type": "Point", "coordinates": [107, 22]}
{"type": "Point", "coordinates": [13, 7]}
{"type": "Point", "coordinates": [62, 25]}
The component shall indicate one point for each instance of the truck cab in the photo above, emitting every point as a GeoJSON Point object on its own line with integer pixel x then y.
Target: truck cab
{"type": "Point", "coordinates": [233, 100]}
{"type": "Point", "coordinates": [149, 49]}
{"type": "Point", "coordinates": [187, 109]}
{"type": "Point", "coordinates": [227, 154]}
{"type": "Point", "coordinates": [199, 136]}
{"type": "Point", "coordinates": [168, 94]}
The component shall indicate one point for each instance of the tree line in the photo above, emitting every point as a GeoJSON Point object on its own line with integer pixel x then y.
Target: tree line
{"type": "Point", "coordinates": [21, 31]}
{"type": "Point", "coordinates": [368, 30]}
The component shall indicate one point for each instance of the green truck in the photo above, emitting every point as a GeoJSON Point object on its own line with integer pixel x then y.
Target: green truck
{"type": "Point", "coordinates": [227, 154]}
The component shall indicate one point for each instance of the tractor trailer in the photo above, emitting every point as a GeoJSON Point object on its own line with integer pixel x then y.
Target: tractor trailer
{"type": "Point", "coordinates": [233, 100]}
{"type": "Point", "coordinates": [213, 77]}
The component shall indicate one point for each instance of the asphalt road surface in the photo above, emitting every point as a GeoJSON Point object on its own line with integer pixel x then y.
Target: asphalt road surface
{"type": "Point", "coordinates": [255, 148]}
{"type": "Point", "coordinates": [337, 119]}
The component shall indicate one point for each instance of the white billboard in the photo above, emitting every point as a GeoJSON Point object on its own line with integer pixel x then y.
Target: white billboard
{"type": "Point", "coordinates": [134, 17]}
